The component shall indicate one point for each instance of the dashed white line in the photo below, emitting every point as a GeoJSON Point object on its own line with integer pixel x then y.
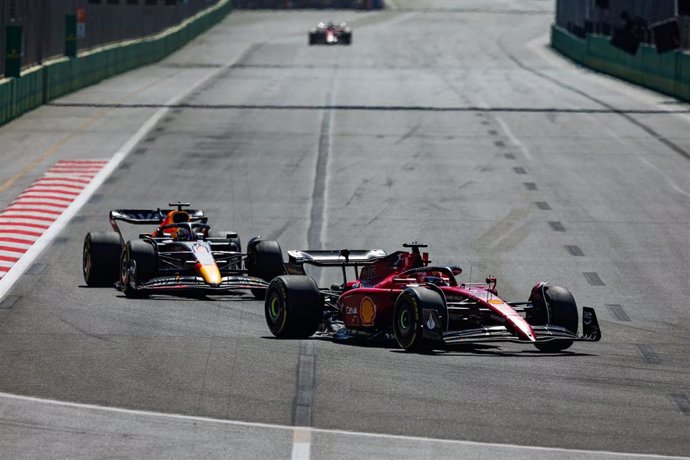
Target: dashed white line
{"type": "Point", "coordinates": [513, 138]}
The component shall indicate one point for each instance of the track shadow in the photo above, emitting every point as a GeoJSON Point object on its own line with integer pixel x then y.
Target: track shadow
{"type": "Point", "coordinates": [495, 350]}
{"type": "Point", "coordinates": [447, 351]}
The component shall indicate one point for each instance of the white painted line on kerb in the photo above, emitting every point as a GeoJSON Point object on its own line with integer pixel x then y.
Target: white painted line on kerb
{"type": "Point", "coordinates": [308, 431]}
{"type": "Point", "coordinates": [49, 235]}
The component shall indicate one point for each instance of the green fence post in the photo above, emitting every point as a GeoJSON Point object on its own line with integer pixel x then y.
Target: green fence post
{"type": "Point", "coordinates": [71, 35]}
{"type": "Point", "coordinates": [13, 51]}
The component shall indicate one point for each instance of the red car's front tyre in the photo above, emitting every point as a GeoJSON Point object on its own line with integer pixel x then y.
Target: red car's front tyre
{"type": "Point", "coordinates": [408, 326]}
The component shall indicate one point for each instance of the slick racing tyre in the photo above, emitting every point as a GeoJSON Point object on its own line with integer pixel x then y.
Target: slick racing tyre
{"type": "Point", "coordinates": [554, 305]}
{"type": "Point", "coordinates": [346, 38]}
{"type": "Point", "coordinates": [265, 261]}
{"type": "Point", "coordinates": [100, 258]}
{"type": "Point", "coordinates": [138, 265]}
{"type": "Point", "coordinates": [408, 321]}
{"type": "Point", "coordinates": [293, 307]}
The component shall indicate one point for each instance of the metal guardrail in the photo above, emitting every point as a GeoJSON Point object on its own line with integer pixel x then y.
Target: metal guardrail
{"type": "Point", "coordinates": [604, 16]}
{"type": "Point", "coordinates": [106, 21]}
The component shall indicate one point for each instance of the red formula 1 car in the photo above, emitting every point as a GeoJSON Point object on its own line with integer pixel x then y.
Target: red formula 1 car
{"type": "Point", "coordinates": [181, 256]}
{"type": "Point", "coordinates": [330, 34]}
{"type": "Point", "coordinates": [421, 305]}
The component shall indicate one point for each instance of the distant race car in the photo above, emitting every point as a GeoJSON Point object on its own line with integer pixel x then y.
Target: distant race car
{"type": "Point", "coordinates": [330, 34]}
{"type": "Point", "coordinates": [422, 306]}
{"type": "Point", "coordinates": [181, 256]}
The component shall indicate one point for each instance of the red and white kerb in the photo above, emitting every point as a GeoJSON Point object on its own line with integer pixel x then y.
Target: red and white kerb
{"type": "Point", "coordinates": [34, 211]}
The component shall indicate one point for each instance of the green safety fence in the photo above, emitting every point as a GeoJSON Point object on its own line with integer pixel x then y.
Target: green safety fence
{"type": "Point", "coordinates": [5, 101]}
{"type": "Point", "coordinates": [56, 78]}
{"type": "Point", "coordinates": [19, 95]}
{"type": "Point", "coordinates": [668, 73]}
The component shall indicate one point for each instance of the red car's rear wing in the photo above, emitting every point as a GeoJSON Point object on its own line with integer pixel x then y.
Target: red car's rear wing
{"type": "Point", "coordinates": [343, 257]}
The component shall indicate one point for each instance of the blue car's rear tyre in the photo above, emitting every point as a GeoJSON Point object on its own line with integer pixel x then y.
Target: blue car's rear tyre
{"type": "Point", "coordinates": [100, 258]}
{"type": "Point", "coordinates": [265, 261]}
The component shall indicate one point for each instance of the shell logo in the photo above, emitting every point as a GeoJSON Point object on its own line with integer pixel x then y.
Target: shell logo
{"type": "Point", "coordinates": [367, 311]}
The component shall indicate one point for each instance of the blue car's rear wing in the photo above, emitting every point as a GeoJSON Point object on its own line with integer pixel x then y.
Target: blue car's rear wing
{"type": "Point", "coordinates": [151, 216]}
{"type": "Point", "coordinates": [148, 217]}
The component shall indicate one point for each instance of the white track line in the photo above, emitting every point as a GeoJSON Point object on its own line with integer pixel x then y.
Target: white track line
{"type": "Point", "coordinates": [301, 442]}
{"type": "Point", "coordinates": [303, 434]}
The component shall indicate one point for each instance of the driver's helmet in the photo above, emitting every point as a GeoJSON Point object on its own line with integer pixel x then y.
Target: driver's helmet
{"type": "Point", "coordinates": [182, 234]}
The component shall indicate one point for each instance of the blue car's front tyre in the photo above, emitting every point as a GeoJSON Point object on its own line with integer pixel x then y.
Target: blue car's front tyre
{"type": "Point", "coordinates": [138, 264]}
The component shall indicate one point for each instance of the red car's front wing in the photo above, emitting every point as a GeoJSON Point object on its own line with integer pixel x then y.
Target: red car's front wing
{"type": "Point", "coordinates": [544, 333]}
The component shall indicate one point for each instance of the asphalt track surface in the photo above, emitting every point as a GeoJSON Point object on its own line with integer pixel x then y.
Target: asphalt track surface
{"type": "Point", "coordinates": [445, 122]}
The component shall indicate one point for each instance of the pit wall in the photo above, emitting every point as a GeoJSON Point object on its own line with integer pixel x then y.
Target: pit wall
{"type": "Point", "coordinates": [668, 73]}
{"type": "Point", "coordinates": [55, 78]}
